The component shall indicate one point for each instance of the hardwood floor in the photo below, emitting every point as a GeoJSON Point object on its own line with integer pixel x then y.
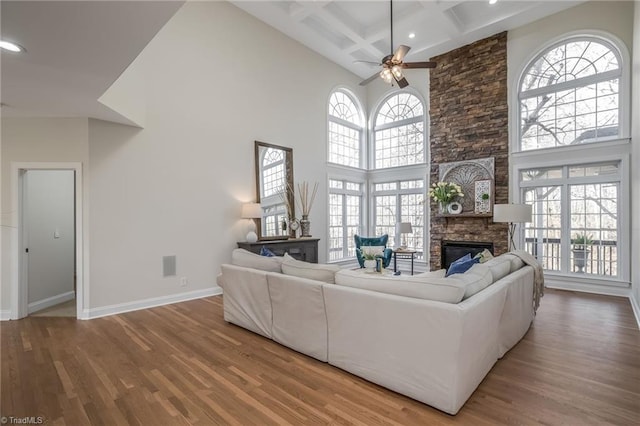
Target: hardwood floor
{"type": "Point", "coordinates": [182, 364]}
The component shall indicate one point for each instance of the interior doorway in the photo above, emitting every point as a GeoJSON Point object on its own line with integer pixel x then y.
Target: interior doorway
{"type": "Point", "coordinates": [48, 268]}
{"type": "Point", "coordinates": [48, 238]}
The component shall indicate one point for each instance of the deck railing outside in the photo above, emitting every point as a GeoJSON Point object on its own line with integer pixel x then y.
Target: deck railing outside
{"type": "Point", "coordinates": [601, 259]}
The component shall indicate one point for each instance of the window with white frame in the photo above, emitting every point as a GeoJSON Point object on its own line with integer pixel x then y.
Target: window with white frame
{"type": "Point", "coordinates": [273, 178]}
{"type": "Point", "coordinates": [345, 217]}
{"type": "Point", "coordinates": [399, 132]}
{"type": "Point", "coordinates": [345, 130]}
{"type": "Point", "coordinates": [583, 200]}
{"type": "Point", "coordinates": [397, 140]}
{"type": "Point", "coordinates": [570, 94]}
{"type": "Point", "coordinates": [400, 201]}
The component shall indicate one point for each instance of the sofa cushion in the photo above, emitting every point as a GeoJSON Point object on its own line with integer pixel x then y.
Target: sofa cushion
{"type": "Point", "coordinates": [484, 255]}
{"type": "Point", "coordinates": [439, 273]}
{"type": "Point", "coordinates": [461, 265]}
{"type": "Point", "coordinates": [477, 278]}
{"type": "Point", "coordinates": [312, 271]}
{"type": "Point", "coordinates": [266, 252]}
{"type": "Point", "coordinates": [515, 262]}
{"type": "Point", "coordinates": [499, 266]}
{"type": "Point", "coordinates": [417, 286]}
{"type": "Point", "coordinates": [242, 257]}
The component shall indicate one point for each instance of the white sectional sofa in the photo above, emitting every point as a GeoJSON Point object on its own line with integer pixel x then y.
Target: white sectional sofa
{"type": "Point", "coordinates": [428, 337]}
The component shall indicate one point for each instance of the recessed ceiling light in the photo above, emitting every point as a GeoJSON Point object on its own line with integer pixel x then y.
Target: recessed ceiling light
{"type": "Point", "coordinates": [11, 47]}
{"type": "Point", "coordinates": [412, 35]}
{"type": "Point", "coordinates": [493, 1]}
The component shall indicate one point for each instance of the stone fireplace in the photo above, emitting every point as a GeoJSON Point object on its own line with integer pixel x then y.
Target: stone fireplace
{"type": "Point", "coordinates": [469, 119]}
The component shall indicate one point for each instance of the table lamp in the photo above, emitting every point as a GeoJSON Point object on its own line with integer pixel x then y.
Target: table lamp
{"type": "Point", "coordinates": [252, 211]}
{"type": "Point", "coordinates": [402, 229]}
{"type": "Point", "coordinates": [512, 214]}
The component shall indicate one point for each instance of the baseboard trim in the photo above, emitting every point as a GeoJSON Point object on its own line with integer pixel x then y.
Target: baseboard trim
{"type": "Point", "coordinates": [153, 302]}
{"type": "Point", "coordinates": [50, 301]}
{"type": "Point", "coordinates": [635, 305]}
{"type": "Point", "coordinates": [589, 288]}
{"type": "Point", "coordinates": [5, 315]}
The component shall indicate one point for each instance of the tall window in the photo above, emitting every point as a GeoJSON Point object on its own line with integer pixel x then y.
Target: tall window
{"type": "Point", "coordinates": [397, 140]}
{"type": "Point", "coordinates": [399, 132]}
{"type": "Point", "coordinates": [570, 95]}
{"type": "Point", "coordinates": [400, 201]}
{"type": "Point", "coordinates": [345, 217]}
{"type": "Point", "coordinates": [273, 178]}
{"type": "Point", "coordinates": [345, 130]}
{"type": "Point", "coordinates": [583, 200]}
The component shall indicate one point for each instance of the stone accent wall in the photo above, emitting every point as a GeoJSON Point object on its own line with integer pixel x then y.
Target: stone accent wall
{"type": "Point", "coordinates": [469, 120]}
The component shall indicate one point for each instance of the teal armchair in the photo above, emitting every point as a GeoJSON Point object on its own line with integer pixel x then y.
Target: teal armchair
{"type": "Point", "coordinates": [373, 241]}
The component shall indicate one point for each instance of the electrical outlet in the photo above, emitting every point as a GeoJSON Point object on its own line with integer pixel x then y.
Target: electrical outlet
{"type": "Point", "coordinates": [183, 281]}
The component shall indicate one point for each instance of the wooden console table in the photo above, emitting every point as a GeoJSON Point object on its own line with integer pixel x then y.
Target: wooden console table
{"type": "Point", "coordinates": [300, 248]}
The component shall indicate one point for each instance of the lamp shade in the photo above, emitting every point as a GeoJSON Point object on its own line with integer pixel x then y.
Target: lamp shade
{"type": "Point", "coordinates": [512, 213]}
{"type": "Point", "coordinates": [251, 211]}
{"type": "Point", "coordinates": [403, 228]}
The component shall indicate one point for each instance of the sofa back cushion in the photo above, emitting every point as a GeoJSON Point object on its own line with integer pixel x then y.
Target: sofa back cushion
{"type": "Point", "coordinates": [499, 266]}
{"type": "Point", "coordinates": [477, 278]}
{"type": "Point", "coordinates": [419, 287]}
{"type": "Point", "coordinates": [515, 262]}
{"type": "Point", "coordinates": [312, 271]}
{"type": "Point", "coordinates": [244, 258]}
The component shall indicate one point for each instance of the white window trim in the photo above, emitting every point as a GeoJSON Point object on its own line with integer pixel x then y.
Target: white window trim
{"type": "Point", "coordinates": [362, 129]}
{"type": "Point", "coordinates": [601, 153]}
{"type": "Point", "coordinates": [615, 149]}
{"type": "Point", "coordinates": [624, 89]}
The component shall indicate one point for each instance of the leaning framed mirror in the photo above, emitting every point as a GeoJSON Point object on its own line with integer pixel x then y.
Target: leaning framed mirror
{"type": "Point", "coordinates": [274, 190]}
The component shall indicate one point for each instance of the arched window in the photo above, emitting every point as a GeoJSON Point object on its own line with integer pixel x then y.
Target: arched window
{"type": "Point", "coordinates": [399, 132]}
{"type": "Point", "coordinates": [345, 130]}
{"type": "Point", "coordinates": [573, 93]}
{"type": "Point", "coordinates": [570, 94]}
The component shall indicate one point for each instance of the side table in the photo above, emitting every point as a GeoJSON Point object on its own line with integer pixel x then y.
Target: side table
{"type": "Point", "coordinates": [403, 254]}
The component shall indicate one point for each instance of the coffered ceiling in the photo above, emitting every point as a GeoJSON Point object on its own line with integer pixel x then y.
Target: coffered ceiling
{"type": "Point", "coordinates": [350, 31]}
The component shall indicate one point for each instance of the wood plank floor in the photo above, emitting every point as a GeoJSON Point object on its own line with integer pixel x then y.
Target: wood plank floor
{"type": "Point", "coordinates": [182, 364]}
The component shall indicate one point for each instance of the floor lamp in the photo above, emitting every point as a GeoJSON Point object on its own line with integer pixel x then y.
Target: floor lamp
{"type": "Point", "coordinates": [512, 214]}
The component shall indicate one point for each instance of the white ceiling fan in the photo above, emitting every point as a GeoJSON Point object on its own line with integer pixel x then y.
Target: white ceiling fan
{"type": "Point", "coordinates": [392, 64]}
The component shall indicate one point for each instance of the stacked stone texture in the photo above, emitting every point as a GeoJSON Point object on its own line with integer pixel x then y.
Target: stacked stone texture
{"type": "Point", "coordinates": [469, 120]}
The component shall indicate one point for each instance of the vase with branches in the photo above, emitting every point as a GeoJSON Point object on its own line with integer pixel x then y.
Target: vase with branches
{"type": "Point", "coordinates": [304, 201]}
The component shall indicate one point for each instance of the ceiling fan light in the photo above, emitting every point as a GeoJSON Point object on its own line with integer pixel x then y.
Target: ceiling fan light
{"type": "Point", "coordinates": [386, 75]}
{"type": "Point", "coordinates": [397, 71]}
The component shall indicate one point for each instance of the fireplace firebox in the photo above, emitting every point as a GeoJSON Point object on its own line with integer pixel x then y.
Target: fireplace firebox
{"type": "Point", "coordinates": [452, 250]}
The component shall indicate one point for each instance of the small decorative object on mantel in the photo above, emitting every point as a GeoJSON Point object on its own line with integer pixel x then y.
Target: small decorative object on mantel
{"type": "Point", "coordinates": [444, 193]}
{"type": "Point", "coordinates": [483, 199]}
{"type": "Point", "coordinates": [305, 202]}
{"type": "Point", "coordinates": [455, 208]}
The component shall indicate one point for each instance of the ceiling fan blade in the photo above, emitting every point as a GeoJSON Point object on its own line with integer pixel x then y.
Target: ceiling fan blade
{"type": "Point", "coordinates": [369, 80]}
{"type": "Point", "coordinates": [367, 62]}
{"type": "Point", "coordinates": [429, 64]}
{"type": "Point", "coordinates": [402, 83]}
{"type": "Point", "coordinates": [400, 53]}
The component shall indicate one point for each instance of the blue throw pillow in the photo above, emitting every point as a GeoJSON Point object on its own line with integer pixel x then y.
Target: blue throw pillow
{"type": "Point", "coordinates": [461, 265]}
{"type": "Point", "coordinates": [266, 252]}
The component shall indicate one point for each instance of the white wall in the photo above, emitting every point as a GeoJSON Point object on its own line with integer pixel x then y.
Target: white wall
{"type": "Point", "coordinates": [32, 140]}
{"type": "Point", "coordinates": [49, 221]}
{"type": "Point", "coordinates": [635, 168]}
{"type": "Point", "coordinates": [216, 80]}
